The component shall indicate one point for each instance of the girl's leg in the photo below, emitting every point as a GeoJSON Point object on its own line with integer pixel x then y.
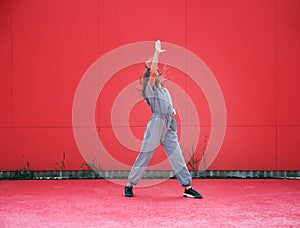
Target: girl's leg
{"type": "Point", "coordinates": [174, 153]}
{"type": "Point", "coordinates": [139, 167]}
{"type": "Point", "coordinates": [151, 140]}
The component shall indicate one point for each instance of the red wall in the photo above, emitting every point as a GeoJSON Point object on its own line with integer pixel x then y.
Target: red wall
{"type": "Point", "coordinates": [252, 47]}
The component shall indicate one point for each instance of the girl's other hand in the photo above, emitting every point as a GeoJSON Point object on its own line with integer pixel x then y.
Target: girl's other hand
{"type": "Point", "coordinates": [174, 112]}
{"type": "Point", "coordinates": [158, 47]}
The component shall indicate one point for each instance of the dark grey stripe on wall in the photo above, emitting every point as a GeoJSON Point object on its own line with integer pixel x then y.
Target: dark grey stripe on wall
{"type": "Point", "coordinates": [122, 174]}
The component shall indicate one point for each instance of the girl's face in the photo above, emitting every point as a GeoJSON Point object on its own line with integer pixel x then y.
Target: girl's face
{"type": "Point", "coordinates": [157, 81]}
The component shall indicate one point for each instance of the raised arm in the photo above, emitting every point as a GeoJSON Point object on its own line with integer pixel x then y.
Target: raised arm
{"type": "Point", "coordinates": [153, 68]}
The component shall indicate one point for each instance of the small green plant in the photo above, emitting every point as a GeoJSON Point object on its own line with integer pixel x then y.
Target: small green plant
{"type": "Point", "coordinates": [86, 166]}
{"type": "Point", "coordinates": [23, 173]}
{"type": "Point", "coordinates": [90, 166]}
{"type": "Point", "coordinates": [203, 152]}
{"type": "Point", "coordinates": [194, 161]}
{"type": "Point", "coordinates": [61, 165]}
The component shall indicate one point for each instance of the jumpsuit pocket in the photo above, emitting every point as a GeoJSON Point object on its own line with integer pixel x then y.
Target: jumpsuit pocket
{"type": "Point", "coordinates": [173, 124]}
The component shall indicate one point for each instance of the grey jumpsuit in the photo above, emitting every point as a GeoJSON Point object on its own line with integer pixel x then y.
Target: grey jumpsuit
{"type": "Point", "coordinates": [161, 128]}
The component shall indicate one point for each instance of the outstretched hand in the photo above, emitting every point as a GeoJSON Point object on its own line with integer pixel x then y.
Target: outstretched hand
{"type": "Point", "coordinates": [158, 47]}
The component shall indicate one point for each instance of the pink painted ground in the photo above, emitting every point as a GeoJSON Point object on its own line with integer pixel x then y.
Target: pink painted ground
{"type": "Point", "coordinates": [100, 203]}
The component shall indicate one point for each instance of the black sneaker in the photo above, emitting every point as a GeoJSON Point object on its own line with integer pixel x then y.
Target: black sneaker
{"type": "Point", "coordinates": [128, 191]}
{"type": "Point", "coordinates": [191, 193]}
